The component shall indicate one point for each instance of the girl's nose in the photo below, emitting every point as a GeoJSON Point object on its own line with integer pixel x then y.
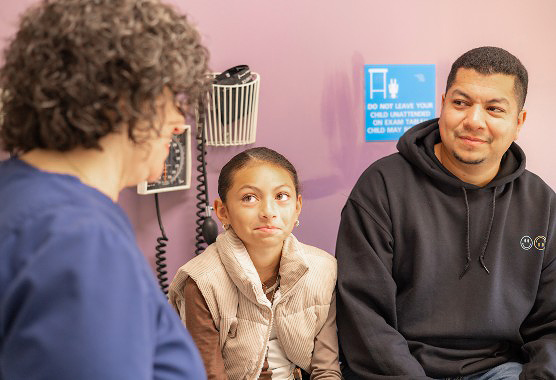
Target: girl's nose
{"type": "Point", "coordinates": [268, 209]}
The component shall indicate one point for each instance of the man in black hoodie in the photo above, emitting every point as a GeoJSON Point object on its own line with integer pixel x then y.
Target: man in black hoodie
{"type": "Point", "coordinates": [446, 250]}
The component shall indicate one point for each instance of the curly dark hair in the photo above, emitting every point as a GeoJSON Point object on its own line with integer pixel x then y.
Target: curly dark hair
{"type": "Point", "coordinates": [488, 60]}
{"type": "Point", "coordinates": [78, 70]}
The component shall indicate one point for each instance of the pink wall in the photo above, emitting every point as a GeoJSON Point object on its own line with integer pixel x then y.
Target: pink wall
{"type": "Point", "coordinates": [310, 56]}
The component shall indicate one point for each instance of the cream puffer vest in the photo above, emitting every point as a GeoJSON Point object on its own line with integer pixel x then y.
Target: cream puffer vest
{"type": "Point", "coordinates": [244, 316]}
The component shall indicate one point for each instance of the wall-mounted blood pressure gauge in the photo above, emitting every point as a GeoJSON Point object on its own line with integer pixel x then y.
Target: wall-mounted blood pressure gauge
{"type": "Point", "coordinates": [177, 168]}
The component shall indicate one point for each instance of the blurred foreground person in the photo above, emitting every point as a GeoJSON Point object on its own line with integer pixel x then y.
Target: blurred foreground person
{"type": "Point", "coordinates": [89, 107]}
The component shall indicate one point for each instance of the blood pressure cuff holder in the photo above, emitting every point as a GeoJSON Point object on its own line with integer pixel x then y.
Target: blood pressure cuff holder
{"type": "Point", "coordinates": [226, 98]}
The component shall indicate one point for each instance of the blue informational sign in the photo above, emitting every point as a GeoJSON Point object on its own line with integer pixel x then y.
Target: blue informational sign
{"type": "Point", "coordinates": [396, 98]}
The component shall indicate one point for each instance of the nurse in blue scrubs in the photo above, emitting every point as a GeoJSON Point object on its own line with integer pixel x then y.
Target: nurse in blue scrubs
{"type": "Point", "coordinates": [89, 93]}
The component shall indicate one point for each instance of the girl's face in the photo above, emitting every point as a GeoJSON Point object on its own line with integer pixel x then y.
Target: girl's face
{"type": "Point", "coordinates": [261, 205]}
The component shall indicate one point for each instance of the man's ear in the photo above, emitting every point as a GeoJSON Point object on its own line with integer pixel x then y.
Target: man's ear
{"type": "Point", "coordinates": [520, 121]}
{"type": "Point", "coordinates": [221, 211]}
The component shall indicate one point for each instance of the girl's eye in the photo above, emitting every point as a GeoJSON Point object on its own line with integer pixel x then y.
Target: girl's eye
{"type": "Point", "coordinates": [283, 196]}
{"type": "Point", "coordinates": [249, 198]}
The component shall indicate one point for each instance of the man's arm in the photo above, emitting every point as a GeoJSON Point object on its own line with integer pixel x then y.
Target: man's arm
{"type": "Point", "coordinates": [539, 328]}
{"type": "Point", "coordinates": [366, 314]}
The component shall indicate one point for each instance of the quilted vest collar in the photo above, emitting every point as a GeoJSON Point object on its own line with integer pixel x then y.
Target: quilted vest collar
{"type": "Point", "coordinates": [240, 268]}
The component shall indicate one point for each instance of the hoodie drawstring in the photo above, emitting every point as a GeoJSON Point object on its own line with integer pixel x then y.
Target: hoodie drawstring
{"type": "Point", "coordinates": [467, 251]}
{"type": "Point", "coordinates": [487, 237]}
{"type": "Point", "coordinates": [467, 233]}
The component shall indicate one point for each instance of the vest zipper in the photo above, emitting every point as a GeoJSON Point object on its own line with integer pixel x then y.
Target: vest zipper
{"type": "Point", "coordinates": [265, 346]}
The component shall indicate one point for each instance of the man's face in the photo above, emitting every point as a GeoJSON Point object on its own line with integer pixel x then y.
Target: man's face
{"type": "Point", "coordinates": [480, 118]}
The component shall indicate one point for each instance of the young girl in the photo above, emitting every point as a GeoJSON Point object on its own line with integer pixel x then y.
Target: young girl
{"type": "Point", "coordinates": [258, 303]}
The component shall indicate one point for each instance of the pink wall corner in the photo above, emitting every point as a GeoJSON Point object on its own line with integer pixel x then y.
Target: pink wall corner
{"type": "Point", "coordinates": [310, 56]}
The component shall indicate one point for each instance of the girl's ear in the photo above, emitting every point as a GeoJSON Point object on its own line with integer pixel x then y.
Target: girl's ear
{"type": "Point", "coordinates": [298, 204]}
{"type": "Point", "coordinates": [221, 211]}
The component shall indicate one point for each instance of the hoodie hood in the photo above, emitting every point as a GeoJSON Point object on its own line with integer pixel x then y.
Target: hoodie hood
{"type": "Point", "coordinates": [417, 147]}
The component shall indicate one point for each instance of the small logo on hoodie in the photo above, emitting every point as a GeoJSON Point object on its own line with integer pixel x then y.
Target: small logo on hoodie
{"type": "Point", "coordinates": [527, 243]}
{"type": "Point", "coordinates": [539, 243]}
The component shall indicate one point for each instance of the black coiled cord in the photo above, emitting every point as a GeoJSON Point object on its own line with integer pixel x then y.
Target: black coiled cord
{"type": "Point", "coordinates": [161, 253]}
{"type": "Point", "coordinates": [202, 190]}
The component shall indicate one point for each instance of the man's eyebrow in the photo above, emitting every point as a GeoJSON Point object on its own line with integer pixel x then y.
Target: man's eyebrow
{"type": "Point", "coordinates": [493, 100]}
{"type": "Point", "coordinates": [499, 100]}
{"type": "Point", "coordinates": [461, 93]}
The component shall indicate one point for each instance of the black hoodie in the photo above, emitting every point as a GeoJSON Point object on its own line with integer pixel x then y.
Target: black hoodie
{"type": "Point", "coordinates": [438, 277]}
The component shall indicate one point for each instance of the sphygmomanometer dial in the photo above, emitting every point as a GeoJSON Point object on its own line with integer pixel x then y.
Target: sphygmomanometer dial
{"type": "Point", "coordinates": [174, 164]}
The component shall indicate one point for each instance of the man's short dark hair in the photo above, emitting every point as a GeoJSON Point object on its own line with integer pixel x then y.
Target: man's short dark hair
{"type": "Point", "coordinates": [78, 70]}
{"type": "Point", "coordinates": [488, 60]}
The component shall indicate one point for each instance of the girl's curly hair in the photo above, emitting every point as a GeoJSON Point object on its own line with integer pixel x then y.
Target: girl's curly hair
{"type": "Point", "coordinates": [78, 70]}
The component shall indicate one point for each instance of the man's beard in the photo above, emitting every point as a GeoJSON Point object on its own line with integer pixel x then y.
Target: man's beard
{"type": "Point", "coordinates": [468, 162]}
